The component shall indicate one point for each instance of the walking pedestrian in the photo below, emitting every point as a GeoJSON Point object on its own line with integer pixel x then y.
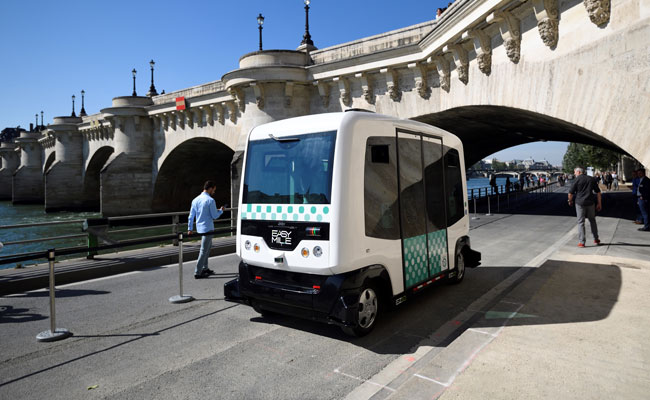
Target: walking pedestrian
{"type": "Point", "coordinates": [615, 180]}
{"type": "Point", "coordinates": [635, 196]}
{"type": "Point", "coordinates": [644, 197]}
{"type": "Point", "coordinates": [586, 196]}
{"type": "Point", "coordinates": [205, 210]}
{"type": "Point", "coordinates": [508, 184]}
{"type": "Point", "coordinates": [493, 183]}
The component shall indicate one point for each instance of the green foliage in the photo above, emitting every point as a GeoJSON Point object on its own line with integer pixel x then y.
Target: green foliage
{"type": "Point", "coordinates": [498, 165]}
{"type": "Point", "coordinates": [584, 155]}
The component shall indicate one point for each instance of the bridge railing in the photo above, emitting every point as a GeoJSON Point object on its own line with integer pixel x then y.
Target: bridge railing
{"type": "Point", "coordinates": [152, 228]}
{"type": "Point", "coordinates": [492, 197]}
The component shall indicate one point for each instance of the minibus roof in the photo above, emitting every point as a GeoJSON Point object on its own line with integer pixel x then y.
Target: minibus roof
{"type": "Point", "coordinates": [310, 124]}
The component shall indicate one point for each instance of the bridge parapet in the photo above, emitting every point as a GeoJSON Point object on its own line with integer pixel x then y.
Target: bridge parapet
{"type": "Point", "coordinates": [9, 164]}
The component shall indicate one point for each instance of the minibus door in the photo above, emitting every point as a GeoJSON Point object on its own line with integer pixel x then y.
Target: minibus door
{"type": "Point", "coordinates": [436, 217]}
{"type": "Point", "coordinates": [413, 223]}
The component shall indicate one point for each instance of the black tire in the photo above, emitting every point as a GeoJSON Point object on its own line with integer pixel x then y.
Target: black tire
{"type": "Point", "coordinates": [368, 311]}
{"type": "Point", "coordinates": [459, 270]}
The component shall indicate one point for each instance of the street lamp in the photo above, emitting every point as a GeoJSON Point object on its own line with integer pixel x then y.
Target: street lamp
{"type": "Point", "coordinates": [134, 72]}
{"type": "Point", "coordinates": [73, 114]}
{"type": "Point", "coordinates": [42, 118]}
{"type": "Point", "coordinates": [306, 38]}
{"type": "Point", "coordinates": [152, 88]}
{"type": "Point", "coordinates": [82, 112]}
{"type": "Point", "coordinates": [36, 117]}
{"type": "Point", "coordinates": [260, 22]}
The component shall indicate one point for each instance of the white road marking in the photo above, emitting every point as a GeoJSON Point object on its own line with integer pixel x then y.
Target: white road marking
{"type": "Point", "coordinates": [364, 380]}
{"type": "Point", "coordinates": [432, 380]}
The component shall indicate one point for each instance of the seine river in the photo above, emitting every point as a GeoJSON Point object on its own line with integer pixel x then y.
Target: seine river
{"type": "Point", "coordinates": [29, 214]}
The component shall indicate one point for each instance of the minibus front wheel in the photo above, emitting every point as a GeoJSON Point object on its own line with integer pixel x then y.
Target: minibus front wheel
{"type": "Point", "coordinates": [460, 268]}
{"type": "Point", "coordinates": [367, 312]}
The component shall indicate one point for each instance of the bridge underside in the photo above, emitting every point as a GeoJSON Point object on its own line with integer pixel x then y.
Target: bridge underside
{"type": "Point", "coordinates": [186, 169]}
{"type": "Point", "coordinates": [485, 130]}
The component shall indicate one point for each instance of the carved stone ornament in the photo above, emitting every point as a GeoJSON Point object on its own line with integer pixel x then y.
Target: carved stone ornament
{"type": "Point", "coordinates": [392, 83]}
{"type": "Point", "coordinates": [366, 87]}
{"type": "Point", "coordinates": [548, 31]}
{"type": "Point", "coordinates": [547, 14]}
{"type": "Point", "coordinates": [483, 47]}
{"type": "Point", "coordinates": [238, 95]}
{"type": "Point", "coordinates": [598, 10]}
{"type": "Point", "coordinates": [288, 93]}
{"type": "Point", "coordinates": [420, 76]}
{"type": "Point", "coordinates": [344, 89]}
{"type": "Point", "coordinates": [231, 111]}
{"type": "Point", "coordinates": [460, 59]}
{"type": "Point", "coordinates": [509, 27]}
{"type": "Point", "coordinates": [513, 48]}
{"type": "Point", "coordinates": [259, 94]}
{"type": "Point", "coordinates": [324, 92]}
{"type": "Point", "coordinates": [220, 113]}
{"type": "Point", "coordinates": [484, 62]}
{"type": "Point", "coordinates": [442, 65]}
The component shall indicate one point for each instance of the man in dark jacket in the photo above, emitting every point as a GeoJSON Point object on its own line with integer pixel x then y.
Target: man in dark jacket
{"type": "Point", "coordinates": [585, 193]}
{"type": "Point", "coordinates": [643, 192]}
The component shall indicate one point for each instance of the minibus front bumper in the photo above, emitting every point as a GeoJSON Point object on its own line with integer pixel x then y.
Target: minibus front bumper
{"type": "Point", "coordinates": [332, 299]}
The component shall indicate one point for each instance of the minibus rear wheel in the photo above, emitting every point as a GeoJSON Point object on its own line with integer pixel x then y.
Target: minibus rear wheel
{"type": "Point", "coordinates": [367, 312]}
{"type": "Point", "coordinates": [460, 268]}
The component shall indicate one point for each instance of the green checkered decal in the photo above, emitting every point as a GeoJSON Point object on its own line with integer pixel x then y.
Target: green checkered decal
{"type": "Point", "coordinates": [437, 251]}
{"type": "Point", "coordinates": [287, 212]}
{"type": "Point", "coordinates": [416, 265]}
{"type": "Point", "coordinates": [415, 260]}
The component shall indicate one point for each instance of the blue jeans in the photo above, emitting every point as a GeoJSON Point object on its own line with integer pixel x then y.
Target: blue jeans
{"type": "Point", "coordinates": [204, 254]}
{"type": "Point", "coordinates": [643, 206]}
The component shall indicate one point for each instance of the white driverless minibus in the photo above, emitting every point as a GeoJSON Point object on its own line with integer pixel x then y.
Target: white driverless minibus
{"type": "Point", "coordinates": [343, 215]}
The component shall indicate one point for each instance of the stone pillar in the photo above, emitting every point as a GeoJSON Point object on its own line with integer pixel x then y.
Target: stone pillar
{"type": "Point", "coordinates": [10, 163]}
{"type": "Point", "coordinates": [64, 179]}
{"type": "Point", "coordinates": [127, 177]}
{"type": "Point", "coordinates": [28, 178]}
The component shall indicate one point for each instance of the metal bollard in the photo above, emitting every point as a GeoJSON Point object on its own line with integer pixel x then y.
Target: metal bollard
{"type": "Point", "coordinates": [180, 298]}
{"type": "Point", "coordinates": [53, 334]}
{"type": "Point", "coordinates": [498, 203]}
{"type": "Point", "coordinates": [488, 213]}
{"type": "Point", "coordinates": [475, 217]}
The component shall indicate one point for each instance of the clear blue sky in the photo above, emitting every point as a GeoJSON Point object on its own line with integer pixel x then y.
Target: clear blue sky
{"type": "Point", "coordinates": [52, 49]}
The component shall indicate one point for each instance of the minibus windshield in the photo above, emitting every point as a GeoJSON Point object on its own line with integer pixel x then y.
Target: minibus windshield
{"type": "Point", "coordinates": [298, 171]}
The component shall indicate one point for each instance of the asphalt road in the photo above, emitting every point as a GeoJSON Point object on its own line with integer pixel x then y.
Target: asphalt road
{"type": "Point", "coordinates": [130, 342]}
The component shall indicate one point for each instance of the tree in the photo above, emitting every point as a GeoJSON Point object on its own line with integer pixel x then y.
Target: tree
{"type": "Point", "coordinates": [584, 155]}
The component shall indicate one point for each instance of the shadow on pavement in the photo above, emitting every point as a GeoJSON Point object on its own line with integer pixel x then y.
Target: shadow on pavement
{"type": "Point", "coordinates": [564, 293]}
{"type": "Point", "coordinates": [11, 315]}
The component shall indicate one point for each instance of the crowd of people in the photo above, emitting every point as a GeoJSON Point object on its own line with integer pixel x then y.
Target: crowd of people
{"type": "Point", "coordinates": [607, 178]}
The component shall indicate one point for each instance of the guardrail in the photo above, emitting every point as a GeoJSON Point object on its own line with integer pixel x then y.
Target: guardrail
{"type": "Point", "coordinates": [489, 193]}
{"type": "Point", "coordinates": [97, 229]}
{"type": "Point", "coordinates": [50, 255]}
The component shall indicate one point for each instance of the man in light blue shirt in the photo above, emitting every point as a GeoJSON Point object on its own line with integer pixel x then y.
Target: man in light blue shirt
{"type": "Point", "coordinates": [204, 209]}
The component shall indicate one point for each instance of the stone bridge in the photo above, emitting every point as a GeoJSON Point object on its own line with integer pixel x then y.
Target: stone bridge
{"type": "Point", "coordinates": [495, 73]}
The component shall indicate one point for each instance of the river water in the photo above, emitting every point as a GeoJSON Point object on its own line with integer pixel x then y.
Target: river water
{"type": "Point", "coordinates": [29, 214]}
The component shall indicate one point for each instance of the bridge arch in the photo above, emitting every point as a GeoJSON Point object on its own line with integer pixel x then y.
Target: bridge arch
{"type": "Point", "coordinates": [186, 168]}
{"type": "Point", "coordinates": [487, 129]}
{"type": "Point", "coordinates": [91, 181]}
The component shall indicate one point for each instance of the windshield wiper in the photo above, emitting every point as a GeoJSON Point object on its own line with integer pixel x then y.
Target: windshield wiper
{"type": "Point", "coordinates": [288, 139]}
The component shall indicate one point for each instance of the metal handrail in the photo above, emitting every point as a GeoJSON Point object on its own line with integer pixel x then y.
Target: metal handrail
{"type": "Point", "coordinates": [46, 239]}
{"type": "Point", "coordinates": [73, 221]}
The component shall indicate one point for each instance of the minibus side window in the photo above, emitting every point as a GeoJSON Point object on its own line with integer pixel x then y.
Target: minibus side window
{"type": "Point", "coordinates": [380, 189]}
{"type": "Point", "coordinates": [453, 186]}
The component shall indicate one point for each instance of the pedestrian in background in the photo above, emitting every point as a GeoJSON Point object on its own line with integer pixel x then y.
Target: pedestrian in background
{"type": "Point", "coordinates": [644, 196]}
{"type": "Point", "coordinates": [493, 183]}
{"type": "Point", "coordinates": [635, 196]}
{"type": "Point", "coordinates": [586, 196]}
{"type": "Point", "coordinates": [205, 210]}
{"type": "Point", "coordinates": [615, 180]}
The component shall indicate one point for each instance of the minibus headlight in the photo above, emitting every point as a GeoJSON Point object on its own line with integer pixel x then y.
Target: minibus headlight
{"type": "Point", "coordinates": [247, 245]}
{"type": "Point", "coordinates": [304, 252]}
{"type": "Point", "coordinates": [256, 248]}
{"type": "Point", "coordinates": [318, 251]}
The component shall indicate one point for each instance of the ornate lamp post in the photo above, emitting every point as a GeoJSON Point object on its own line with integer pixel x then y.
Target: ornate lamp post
{"type": "Point", "coordinates": [134, 72]}
{"type": "Point", "coordinates": [260, 22]}
{"type": "Point", "coordinates": [152, 88]}
{"type": "Point", "coordinates": [82, 112]}
{"type": "Point", "coordinates": [73, 114]}
{"type": "Point", "coordinates": [42, 118]}
{"type": "Point", "coordinates": [36, 125]}
{"type": "Point", "coordinates": [306, 38]}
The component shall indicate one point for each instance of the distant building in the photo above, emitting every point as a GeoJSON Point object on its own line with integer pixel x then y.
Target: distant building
{"type": "Point", "coordinates": [9, 134]}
